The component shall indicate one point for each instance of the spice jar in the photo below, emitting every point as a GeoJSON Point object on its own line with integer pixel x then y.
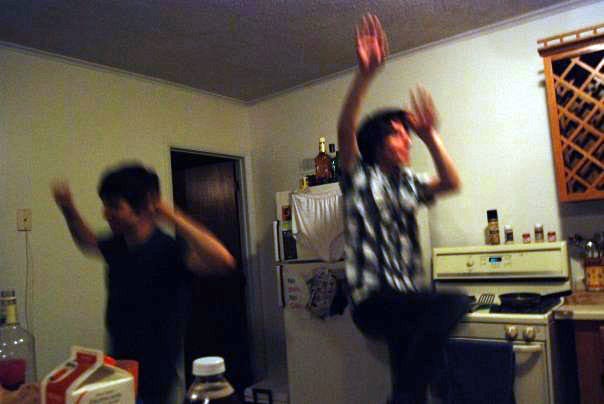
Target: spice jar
{"type": "Point", "coordinates": [526, 238]}
{"type": "Point", "coordinates": [551, 236]}
{"type": "Point", "coordinates": [508, 233]}
{"type": "Point", "coordinates": [493, 227]}
{"type": "Point", "coordinates": [538, 233]}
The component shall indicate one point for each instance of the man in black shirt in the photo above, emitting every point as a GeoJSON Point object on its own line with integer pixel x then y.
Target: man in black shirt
{"type": "Point", "coordinates": [148, 271]}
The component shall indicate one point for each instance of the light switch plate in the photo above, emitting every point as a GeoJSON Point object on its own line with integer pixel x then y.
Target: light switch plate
{"type": "Point", "coordinates": [24, 219]}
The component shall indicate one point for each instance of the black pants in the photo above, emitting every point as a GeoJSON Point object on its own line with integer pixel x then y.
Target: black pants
{"type": "Point", "coordinates": [157, 368]}
{"type": "Point", "coordinates": [416, 327]}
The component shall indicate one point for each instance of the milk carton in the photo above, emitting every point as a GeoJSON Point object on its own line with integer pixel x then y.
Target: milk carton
{"type": "Point", "coordinates": [86, 379]}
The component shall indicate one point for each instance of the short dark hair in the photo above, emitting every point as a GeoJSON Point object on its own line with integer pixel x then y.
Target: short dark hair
{"type": "Point", "coordinates": [375, 128]}
{"type": "Point", "coordinates": [133, 182]}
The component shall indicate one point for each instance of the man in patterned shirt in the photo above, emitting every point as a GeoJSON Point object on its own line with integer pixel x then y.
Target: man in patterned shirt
{"type": "Point", "coordinates": [381, 195]}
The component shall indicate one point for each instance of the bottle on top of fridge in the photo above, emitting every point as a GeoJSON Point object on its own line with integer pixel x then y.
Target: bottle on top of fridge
{"type": "Point", "coordinates": [17, 350]}
{"type": "Point", "coordinates": [335, 162]}
{"type": "Point", "coordinates": [210, 385]}
{"type": "Point", "coordinates": [323, 171]}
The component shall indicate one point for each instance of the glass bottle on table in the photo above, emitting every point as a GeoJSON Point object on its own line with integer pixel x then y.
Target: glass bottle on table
{"type": "Point", "coordinates": [17, 348]}
{"type": "Point", "coordinates": [323, 171]}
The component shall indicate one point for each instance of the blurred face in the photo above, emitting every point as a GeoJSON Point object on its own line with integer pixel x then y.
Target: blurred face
{"type": "Point", "coordinates": [120, 215]}
{"type": "Point", "coordinates": [396, 148]}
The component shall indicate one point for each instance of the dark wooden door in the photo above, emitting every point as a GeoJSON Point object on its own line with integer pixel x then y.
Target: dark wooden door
{"type": "Point", "coordinates": [207, 189]}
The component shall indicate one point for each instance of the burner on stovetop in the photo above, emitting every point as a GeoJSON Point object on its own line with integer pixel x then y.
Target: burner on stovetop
{"type": "Point", "coordinates": [542, 307]}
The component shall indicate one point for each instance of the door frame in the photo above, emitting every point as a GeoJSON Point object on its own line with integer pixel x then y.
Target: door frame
{"type": "Point", "coordinates": [252, 286]}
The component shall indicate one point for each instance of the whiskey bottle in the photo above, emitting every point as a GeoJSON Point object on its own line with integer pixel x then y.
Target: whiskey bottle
{"type": "Point", "coordinates": [323, 172]}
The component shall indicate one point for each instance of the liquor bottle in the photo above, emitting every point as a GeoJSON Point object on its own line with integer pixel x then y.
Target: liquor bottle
{"type": "Point", "coordinates": [335, 162]}
{"type": "Point", "coordinates": [17, 349]}
{"type": "Point", "coordinates": [323, 172]}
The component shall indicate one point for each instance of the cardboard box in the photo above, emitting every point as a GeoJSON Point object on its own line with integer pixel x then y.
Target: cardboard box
{"type": "Point", "coordinates": [85, 378]}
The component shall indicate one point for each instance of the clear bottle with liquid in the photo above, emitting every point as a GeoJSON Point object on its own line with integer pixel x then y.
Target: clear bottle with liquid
{"type": "Point", "coordinates": [210, 385]}
{"type": "Point", "coordinates": [17, 348]}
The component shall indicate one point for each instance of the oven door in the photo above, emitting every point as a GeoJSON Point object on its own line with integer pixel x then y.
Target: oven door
{"type": "Point", "coordinates": [531, 385]}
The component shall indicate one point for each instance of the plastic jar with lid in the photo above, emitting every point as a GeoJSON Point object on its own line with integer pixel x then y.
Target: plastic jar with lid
{"type": "Point", "coordinates": [492, 227]}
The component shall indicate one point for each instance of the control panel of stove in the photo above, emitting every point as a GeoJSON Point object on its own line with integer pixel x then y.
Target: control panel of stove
{"type": "Point", "coordinates": [525, 333]}
{"type": "Point", "coordinates": [537, 260]}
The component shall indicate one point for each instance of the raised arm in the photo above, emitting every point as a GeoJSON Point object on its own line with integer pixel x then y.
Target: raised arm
{"type": "Point", "coordinates": [424, 121]}
{"type": "Point", "coordinates": [206, 252]}
{"type": "Point", "coordinates": [81, 233]}
{"type": "Point", "coordinates": [372, 50]}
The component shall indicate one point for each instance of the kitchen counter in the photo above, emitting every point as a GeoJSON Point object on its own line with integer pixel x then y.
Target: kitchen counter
{"type": "Point", "coordinates": [586, 306]}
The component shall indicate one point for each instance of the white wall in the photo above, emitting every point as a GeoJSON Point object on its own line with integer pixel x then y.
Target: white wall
{"type": "Point", "coordinates": [490, 93]}
{"type": "Point", "coordinates": [60, 119]}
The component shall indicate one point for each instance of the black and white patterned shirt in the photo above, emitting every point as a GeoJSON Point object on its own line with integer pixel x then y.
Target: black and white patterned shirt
{"type": "Point", "coordinates": [383, 254]}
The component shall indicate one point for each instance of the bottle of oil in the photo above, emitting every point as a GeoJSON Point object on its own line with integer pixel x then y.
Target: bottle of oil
{"type": "Point", "coordinates": [210, 386]}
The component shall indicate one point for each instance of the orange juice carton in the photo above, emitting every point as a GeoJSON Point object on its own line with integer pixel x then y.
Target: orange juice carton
{"type": "Point", "coordinates": [86, 378]}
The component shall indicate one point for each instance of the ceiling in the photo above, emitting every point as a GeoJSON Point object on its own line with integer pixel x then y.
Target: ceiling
{"type": "Point", "coordinates": [242, 49]}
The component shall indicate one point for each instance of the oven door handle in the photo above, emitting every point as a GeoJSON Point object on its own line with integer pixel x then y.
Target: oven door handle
{"type": "Point", "coordinates": [527, 348]}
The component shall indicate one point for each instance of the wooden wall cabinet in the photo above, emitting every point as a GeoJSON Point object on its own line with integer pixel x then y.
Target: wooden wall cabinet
{"type": "Point", "coordinates": [574, 76]}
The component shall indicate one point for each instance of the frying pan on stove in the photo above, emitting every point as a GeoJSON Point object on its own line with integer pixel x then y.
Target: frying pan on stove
{"type": "Point", "coordinates": [526, 299]}
{"type": "Point", "coordinates": [520, 300]}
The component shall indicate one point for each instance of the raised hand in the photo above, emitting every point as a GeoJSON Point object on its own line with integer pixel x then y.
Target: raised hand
{"type": "Point", "coordinates": [372, 44]}
{"type": "Point", "coordinates": [62, 194]}
{"type": "Point", "coordinates": [424, 117]}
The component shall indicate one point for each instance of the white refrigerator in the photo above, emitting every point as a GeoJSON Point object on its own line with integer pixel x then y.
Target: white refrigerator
{"type": "Point", "coordinates": [328, 360]}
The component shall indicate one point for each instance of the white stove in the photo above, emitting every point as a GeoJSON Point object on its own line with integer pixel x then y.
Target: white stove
{"type": "Point", "coordinates": [541, 268]}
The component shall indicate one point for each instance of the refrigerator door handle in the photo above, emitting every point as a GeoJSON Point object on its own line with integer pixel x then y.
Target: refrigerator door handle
{"type": "Point", "coordinates": [280, 294]}
{"type": "Point", "coordinates": [276, 249]}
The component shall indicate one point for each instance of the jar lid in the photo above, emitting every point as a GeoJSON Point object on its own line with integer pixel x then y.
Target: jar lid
{"type": "Point", "coordinates": [507, 227]}
{"type": "Point", "coordinates": [208, 366]}
{"type": "Point", "coordinates": [538, 226]}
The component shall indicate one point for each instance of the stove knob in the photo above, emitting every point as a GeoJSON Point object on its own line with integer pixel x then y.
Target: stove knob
{"type": "Point", "coordinates": [529, 334]}
{"type": "Point", "coordinates": [511, 332]}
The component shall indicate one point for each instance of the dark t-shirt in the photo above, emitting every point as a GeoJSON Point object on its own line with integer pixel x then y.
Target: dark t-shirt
{"type": "Point", "coordinates": [146, 308]}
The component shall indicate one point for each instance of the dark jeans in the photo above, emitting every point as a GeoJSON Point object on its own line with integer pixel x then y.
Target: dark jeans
{"type": "Point", "coordinates": [416, 327]}
{"type": "Point", "coordinates": [157, 369]}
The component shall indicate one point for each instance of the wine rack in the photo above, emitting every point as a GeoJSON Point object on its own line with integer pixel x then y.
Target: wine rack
{"type": "Point", "coordinates": [574, 77]}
